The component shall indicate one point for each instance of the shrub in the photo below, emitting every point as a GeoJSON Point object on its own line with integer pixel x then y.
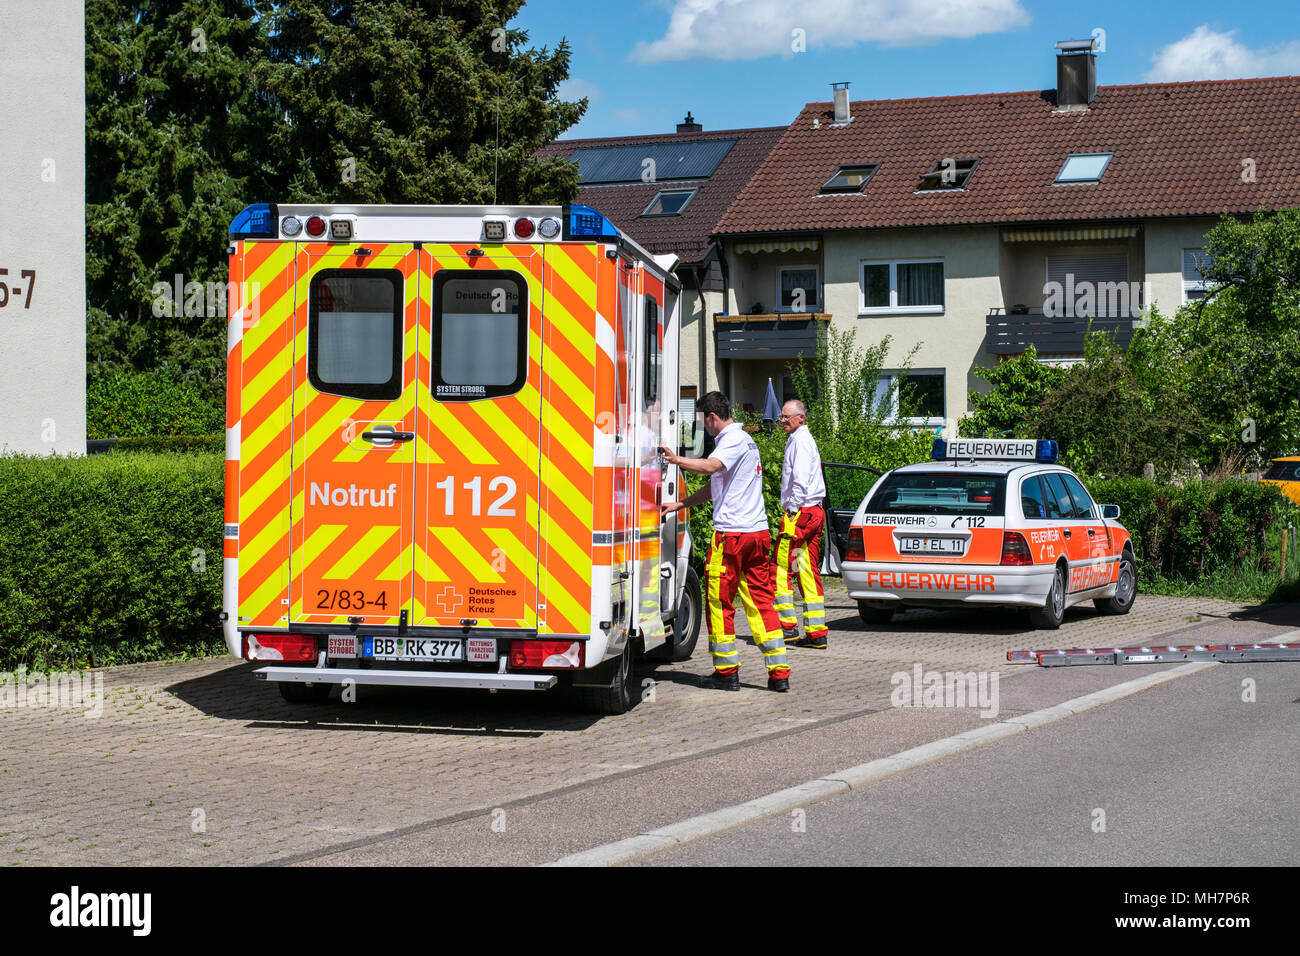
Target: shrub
{"type": "Point", "coordinates": [109, 559]}
{"type": "Point", "coordinates": [129, 404]}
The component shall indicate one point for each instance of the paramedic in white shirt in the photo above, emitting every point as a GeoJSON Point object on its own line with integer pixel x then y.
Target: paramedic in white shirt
{"type": "Point", "coordinates": [798, 547]}
{"type": "Point", "coordinates": [740, 551]}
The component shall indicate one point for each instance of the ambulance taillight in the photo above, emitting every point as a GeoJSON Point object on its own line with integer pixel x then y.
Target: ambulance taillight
{"type": "Point", "coordinates": [1015, 549]}
{"type": "Point", "coordinates": [523, 228]}
{"type": "Point", "coordinates": [546, 653]}
{"type": "Point", "coordinates": [315, 227]}
{"type": "Point", "coordinates": [293, 648]}
{"type": "Point", "coordinates": [857, 550]}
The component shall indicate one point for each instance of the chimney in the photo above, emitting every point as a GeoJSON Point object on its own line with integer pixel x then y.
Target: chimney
{"type": "Point", "coordinates": [689, 125]}
{"type": "Point", "coordinates": [842, 114]}
{"type": "Point", "coordinates": [1076, 74]}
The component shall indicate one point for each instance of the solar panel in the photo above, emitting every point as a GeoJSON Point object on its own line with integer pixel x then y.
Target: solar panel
{"type": "Point", "coordinates": [671, 161]}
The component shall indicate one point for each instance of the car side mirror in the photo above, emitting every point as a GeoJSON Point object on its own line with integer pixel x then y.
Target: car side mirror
{"type": "Point", "coordinates": [1110, 511]}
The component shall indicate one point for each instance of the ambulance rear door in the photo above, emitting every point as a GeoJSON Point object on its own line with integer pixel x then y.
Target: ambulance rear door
{"type": "Point", "coordinates": [355, 327]}
{"type": "Point", "coordinates": [477, 460]}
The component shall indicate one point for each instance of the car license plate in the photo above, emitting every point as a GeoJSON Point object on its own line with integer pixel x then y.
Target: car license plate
{"type": "Point", "coordinates": [415, 648]}
{"type": "Point", "coordinates": [944, 546]}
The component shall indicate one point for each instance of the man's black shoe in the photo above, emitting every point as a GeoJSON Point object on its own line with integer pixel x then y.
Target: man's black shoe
{"type": "Point", "coordinates": [817, 642]}
{"type": "Point", "coordinates": [779, 684]}
{"type": "Point", "coordinates": [716, 681]}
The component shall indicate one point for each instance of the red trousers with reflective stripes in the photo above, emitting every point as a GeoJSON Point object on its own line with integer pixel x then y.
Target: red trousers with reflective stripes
{"type": "Point", "coordinates": [798, 556]}
{"type": "Point", "coordinates": [741, 564]}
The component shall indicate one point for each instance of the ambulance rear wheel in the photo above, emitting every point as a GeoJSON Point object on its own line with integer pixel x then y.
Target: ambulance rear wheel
{"type": "Point", "coordinates": [1125, 589]}
{"type": "Point", "coordinates": [296, 693]}
{"type": "Point", "coordinates": [1050, 615]}
{"type": "Point", "coordinates": [872, 615]}
{"type": "Point", "coordinates": [615, 697]}
{"type": "Point", "coordinates": [686, 625]}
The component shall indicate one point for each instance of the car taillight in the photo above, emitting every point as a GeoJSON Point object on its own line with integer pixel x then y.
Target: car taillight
{"type": "Point", "coordinates": [857, 547]}
{"type": "Point", "coordinates": [1015, 549]}
{"type": "Point", "coordinates": [294, 648]}
{"type": "Point", "coordinates": [546, 653]}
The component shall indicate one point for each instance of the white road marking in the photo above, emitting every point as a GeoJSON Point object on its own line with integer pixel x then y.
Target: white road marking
{"type": "Point", "coordinates": [834, 784]}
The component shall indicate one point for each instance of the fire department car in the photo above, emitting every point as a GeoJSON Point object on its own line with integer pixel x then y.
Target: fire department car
{"type": "Point", "coordinates": [987, 522]}
{"type": "Point", "coordinates": [442, 462]}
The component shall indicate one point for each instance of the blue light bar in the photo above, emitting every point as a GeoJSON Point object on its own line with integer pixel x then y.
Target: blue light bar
{"type": "Point", "coordinates": [583, 222]}
{"type": "Point", "coordinates": [939, 450]}
{"type": "Point", "coordinates": [257, 221]}
{"type": "Point", "coordinates": [1048, 453]}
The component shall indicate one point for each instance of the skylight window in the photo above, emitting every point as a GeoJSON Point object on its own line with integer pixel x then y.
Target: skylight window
{"type": "Point", "coordinates": [1083, 167]}
{"type": "Point", "coordinates": [669, 202]}
{"type": "Point", "coordinates": [948, 173]}
{"type": "Point", "coordinates": [850, 179]}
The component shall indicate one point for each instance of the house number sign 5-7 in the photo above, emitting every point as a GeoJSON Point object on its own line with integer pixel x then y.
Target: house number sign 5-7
{"type": "Point", "coordinates": [17, 290]}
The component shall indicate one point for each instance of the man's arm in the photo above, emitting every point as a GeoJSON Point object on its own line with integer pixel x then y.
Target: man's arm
{"type": "Point", "coordinates": [701, 496]}
{"type": "Point", "coordinates": [796, 460]}
{"type": "Point", "coordinates": [698, 466]}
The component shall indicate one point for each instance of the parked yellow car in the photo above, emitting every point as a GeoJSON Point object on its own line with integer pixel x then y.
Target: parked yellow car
{"type": "Point", "coordinates": [1285, 473]}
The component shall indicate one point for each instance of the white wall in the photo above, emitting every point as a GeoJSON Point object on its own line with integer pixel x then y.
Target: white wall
{"type": "Point", "coordinates": [42, 184]}
{"type": "Point", "coordinates": [1165, 242]}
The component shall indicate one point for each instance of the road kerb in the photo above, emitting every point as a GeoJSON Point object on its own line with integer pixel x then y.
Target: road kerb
{"type": "Point", "coordinates": [836, 784]}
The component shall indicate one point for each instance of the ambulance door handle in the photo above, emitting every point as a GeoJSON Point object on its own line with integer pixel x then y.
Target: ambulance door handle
{"type": "Point", "coordinates": [1091, 532]}
{"type": "Point", "coordinates": [1066, 532]}
{"type": "Point", "coordinates": [387, 436]}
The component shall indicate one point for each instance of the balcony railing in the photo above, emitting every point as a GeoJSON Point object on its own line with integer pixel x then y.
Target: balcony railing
{"type": "Point", "coordinates": [1011, 334]}
{"type": "Point", "coordinates": [774, 335]}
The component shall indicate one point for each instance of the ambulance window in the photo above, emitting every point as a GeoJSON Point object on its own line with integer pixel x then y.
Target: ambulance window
{"type": "Point", "coordinates": [1083, 507]}
{"type": "Point", "coordinates": [1031, 498]}
{"type": "Point", "coordinates": [1059, 504]}
{"type": "Point", "coordinates": [480, 334]}
{"type": "Point", "coordinates": [354, 333]}
{"type": "Point", "coordinates": [653, 355]}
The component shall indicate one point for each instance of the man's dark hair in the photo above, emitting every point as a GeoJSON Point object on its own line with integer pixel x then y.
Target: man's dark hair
{"type": "Point", "coordinates": [714, 403]}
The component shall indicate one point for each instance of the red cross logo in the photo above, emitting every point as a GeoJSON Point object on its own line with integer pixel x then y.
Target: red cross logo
{"type": "Point", "coordinates": [449, 600]}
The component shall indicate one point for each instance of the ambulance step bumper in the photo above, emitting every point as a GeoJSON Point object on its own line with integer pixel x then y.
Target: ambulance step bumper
{"type": "Point", "coordinates": [470, 681]}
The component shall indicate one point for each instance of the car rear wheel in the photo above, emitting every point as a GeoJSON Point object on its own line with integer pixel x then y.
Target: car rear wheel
{"type": "Point", "coordinates": [1050, 615]}
{"type": "Point", "coordinates": [874, 616]}
{"type": "Point", "coordinates": [614, 697]}
{"type": "Point", "coordinates": [1125, 589]}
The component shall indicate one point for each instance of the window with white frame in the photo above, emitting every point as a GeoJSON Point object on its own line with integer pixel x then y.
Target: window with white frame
{"type": "Point", "coordinates": [796, 289]}
{"type": "Point", "coordinates": [1196, 262]}
{"type": "Point", "coordinates": [901, 286]}
{"type": "Point", "coordinates": [920, 390]}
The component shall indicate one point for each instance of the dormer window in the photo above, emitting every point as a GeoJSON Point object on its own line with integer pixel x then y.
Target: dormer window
{"type": "Point", "coordinates": [850, 179]}
{"type": "Point", "coordinates": [948, 173]}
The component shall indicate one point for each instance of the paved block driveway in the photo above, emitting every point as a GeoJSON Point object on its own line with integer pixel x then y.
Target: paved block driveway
{"type": "Point", "coordinates": [197, 762]}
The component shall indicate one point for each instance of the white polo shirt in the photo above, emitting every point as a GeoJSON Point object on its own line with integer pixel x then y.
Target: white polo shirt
{"type": "Point", "coordinates": [802, 484]}
{"type": "Point", "coordinates": [738, 486]}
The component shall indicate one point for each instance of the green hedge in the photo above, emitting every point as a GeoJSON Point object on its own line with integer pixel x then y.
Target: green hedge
{"type": "Point", "coordinates": [1198, 530]}
{"type": "Point", "coordinates": [109, 559]}
{"type": "Point", "coordinates": [130, 404]}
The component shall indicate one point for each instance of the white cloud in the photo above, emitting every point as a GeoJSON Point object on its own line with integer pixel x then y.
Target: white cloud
{"type": "Point", "coordinates": [575, 88]}
{"type": "Point", "coordinates": [747, 29]}
{"type": "Point", "coordinates": [1206, 55]}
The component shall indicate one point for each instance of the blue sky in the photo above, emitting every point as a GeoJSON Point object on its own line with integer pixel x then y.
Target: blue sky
{"type": "Point", "coordinates": [644, 63]}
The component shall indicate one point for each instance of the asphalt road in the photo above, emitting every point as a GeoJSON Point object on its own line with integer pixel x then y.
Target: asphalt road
{"type": "Point", "coordinates": [1186, 773]}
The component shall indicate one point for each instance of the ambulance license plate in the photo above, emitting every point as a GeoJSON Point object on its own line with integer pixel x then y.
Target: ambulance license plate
{"type": "Point", "coordinates": [415, 648]}
{"type": "Point", "coordinates": [947, 546]}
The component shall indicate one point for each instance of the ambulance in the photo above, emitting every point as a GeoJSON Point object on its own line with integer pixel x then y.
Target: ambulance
{"type": "Point", "coordinates": [442, 467]}
{"type": "Point", "coordinates": [987, 522]}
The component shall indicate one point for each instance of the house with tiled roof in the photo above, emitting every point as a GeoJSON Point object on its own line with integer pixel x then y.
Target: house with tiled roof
{"type": "Point", "coordinates": [968, 227]}
{"type": "Point", "coordinates": [668, 191]}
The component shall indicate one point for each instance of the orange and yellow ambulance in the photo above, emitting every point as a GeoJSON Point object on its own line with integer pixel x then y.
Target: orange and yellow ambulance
{"type": "Point", "coordinates": [987, 522]}
{"type": "Point", "coordinates": [442, 427]}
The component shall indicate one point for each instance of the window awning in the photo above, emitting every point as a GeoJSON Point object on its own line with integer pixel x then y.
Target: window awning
{"type": "Point", "coordinates": [1066, 235]}
{"type": "Point", "coordinates": [777, 245]}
